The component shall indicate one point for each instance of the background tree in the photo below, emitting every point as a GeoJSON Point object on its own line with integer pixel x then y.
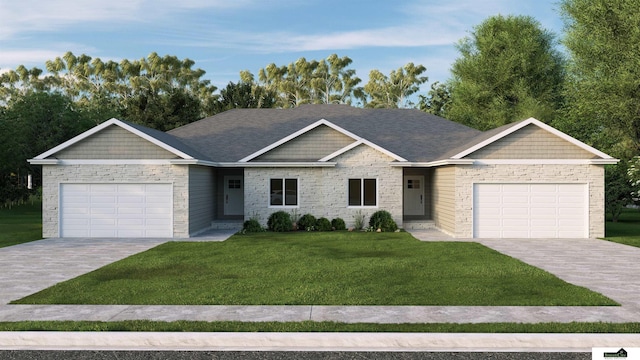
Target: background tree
{"type": "Point", "coordinates": [30, 125]}
{"type": "Point", "coordinates": [245, 95]}
{"type": "Point", "coordinates": [509, 70]}
{"type": "Point", "coordinates": [603, 91]}
{"type": "Point", "coordinates": [393, 91]}
{"type": "Point", "coordinates": [437, 100]}
{"type": "Point", "coordinates": [328, 81]}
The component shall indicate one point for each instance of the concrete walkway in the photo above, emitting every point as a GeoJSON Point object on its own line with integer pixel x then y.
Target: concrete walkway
{"type": "Point", "coordinates": [605, 267]}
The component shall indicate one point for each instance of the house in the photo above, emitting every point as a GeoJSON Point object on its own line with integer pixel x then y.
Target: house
{"type": "Point", "coordinates": [521, 180]}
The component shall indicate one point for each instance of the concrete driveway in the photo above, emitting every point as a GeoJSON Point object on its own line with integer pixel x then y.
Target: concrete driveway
{"type": "Point", "coordinates": [606, 267]}
{"type": "Point", "coordinates": [30, 267]}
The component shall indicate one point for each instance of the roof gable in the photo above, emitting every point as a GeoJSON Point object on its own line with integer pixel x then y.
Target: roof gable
{"type": "Point", "coordinates": [357, 140]}
{"type": "Point", "coordinates": [310, 146]}
{"type": "Point", "coordinates": [142, 132]}
{"type": "Point", "coordinates": [504, 132]}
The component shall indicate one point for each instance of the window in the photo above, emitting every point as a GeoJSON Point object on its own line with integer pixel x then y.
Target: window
{"type": "Point", "coordinates": [283, 192]}
{"type": "Point", "coordinates": [363, 192]}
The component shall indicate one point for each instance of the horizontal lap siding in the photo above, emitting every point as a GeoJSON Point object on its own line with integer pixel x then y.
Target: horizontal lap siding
{"type": "Point", "coordinates": [201, 198]}
{"type": "Point", "coordinates": [311, 146]}
{"type": "Point", "coordinates": [443, 190]}
{"type": "Point", "coordinates": [531, 142]}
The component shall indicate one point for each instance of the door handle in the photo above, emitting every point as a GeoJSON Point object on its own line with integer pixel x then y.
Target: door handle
{"type": "Point", "coordinates": [226, 199]}
{"type": "Point", "coordinates": [420, 199]}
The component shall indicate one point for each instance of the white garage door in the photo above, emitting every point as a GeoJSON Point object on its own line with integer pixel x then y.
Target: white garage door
{"type": "Point", "coordinates": [530, 211]}
{"type": "Point", "coordinates": [116, 210]}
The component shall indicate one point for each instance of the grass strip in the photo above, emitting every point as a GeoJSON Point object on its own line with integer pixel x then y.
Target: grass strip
{"type": "Point", "coordinates": [310, 326]}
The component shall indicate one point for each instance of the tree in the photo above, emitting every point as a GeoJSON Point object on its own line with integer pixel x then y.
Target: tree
{"type": "Point", "coordinates": [333, 83]}
{"type": "Point", "coordinates": [509, 70]}
{"type": "Point", "coordinates": [327, 81]}
{"type": "Point", "coordinates": [31, 125]}
{"type": "Point", "coordinates": [392, 91]}
{"type": "Point", "coordinates": [157, 91]}
{"type": "Point", "coordinates": [603, 91]}
{"type": "Point", "coordinates": [437, 100]}
{"type": "Point", "coordinates": [245, 95]}
{"type": "Point", "coordinates": [618, 189]}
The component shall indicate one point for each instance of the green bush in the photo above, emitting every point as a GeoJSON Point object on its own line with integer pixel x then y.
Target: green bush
{"type": "Point", "coordinates": [252, 226]}
{"type": "Point", "coordinates": [382, 220]}
{"type": "Point", "coordinates": [323, 224]}
{"type": "Point", "coordinates": [279, 221]}
{"type": "Point", "coordinates": [338, 224]}
{"type": "Point", "coordinates": [307, 222]}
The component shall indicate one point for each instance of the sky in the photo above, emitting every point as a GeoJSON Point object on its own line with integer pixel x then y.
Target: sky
{"type": "Point", "coordinates": [224, 37]}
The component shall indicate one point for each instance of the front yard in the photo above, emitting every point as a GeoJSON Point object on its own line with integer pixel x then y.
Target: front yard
{"type": "Point", "coordinates": [331, 268]}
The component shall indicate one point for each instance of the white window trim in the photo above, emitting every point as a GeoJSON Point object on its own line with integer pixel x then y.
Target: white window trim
{"type": "Point", "coordinates": [284, 191]}
{"type": "Point", "coordinates": [362, 193]}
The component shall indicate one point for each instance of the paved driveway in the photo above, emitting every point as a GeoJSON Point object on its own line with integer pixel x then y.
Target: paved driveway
{"type": "Point", "coordinates": [37, 265]}
{"type": "Point", "coordinates": [606, 267]}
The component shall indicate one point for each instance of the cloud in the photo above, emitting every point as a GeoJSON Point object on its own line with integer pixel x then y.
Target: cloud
{"type": "Point", "coordinates": [17, 17]}
{"type": "Point", "coordinates": [418, 24]}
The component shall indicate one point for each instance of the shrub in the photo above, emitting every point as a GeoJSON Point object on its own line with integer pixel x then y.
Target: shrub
{"type": "Point", "coordinates": [323, 224]}
{"type": "Point", "coordinates": [280, 221]}
{"type": "Point", "coordinates": [382, 220]}
{"type": "Point", "coordinates": [251, 226]}
{"type": "Point", "coordinates": [338, 224]}
{"type": "Point", "coordinates": [307, 222]}
{"type": "Point", "coordinates": [358, 220]}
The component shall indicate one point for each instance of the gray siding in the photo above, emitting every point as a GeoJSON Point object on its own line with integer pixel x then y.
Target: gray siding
{"type": "Point", "coordinates": [531, 142]}
{"type": "Point", "coordinates": [201, 198]}
{"type": "Point", "coordinates": [310, 146]}
{"type": "Point", "coordinates": [443, 191]}
{"type": "Point", "coordinates": [114, 142]}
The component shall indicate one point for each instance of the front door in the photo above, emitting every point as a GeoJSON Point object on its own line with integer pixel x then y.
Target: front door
{"type": "Point", "coordinates": [233, 195]}
{"type": "Point", "coordinates": [414, 195]}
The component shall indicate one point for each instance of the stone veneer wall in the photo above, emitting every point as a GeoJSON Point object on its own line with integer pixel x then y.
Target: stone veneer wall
{"type": "Point", "coordinates": [323, 191]}
{"type": "Point", "coordinates": [54, 175]}
{"type": "Point", "coordinates": [467, 175]}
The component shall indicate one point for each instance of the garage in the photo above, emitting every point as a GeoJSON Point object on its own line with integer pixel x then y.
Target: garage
{"type": "Point", "coordinates": [116, 210]}
{"type": "Point", "coordinates": [530, 210]}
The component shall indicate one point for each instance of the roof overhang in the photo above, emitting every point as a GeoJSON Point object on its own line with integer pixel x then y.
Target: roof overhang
{"type": "Point", "coordinates": [265, 164]}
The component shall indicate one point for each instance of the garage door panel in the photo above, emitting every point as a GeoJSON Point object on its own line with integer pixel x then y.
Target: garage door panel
{"type": "Point", "coordinates": [116, 210]}
{"type": "Point", "coordinates": [530, 210]}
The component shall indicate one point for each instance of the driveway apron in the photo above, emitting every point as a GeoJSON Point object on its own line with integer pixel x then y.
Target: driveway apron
{"type": "Point", "coordinates": [30, 267]}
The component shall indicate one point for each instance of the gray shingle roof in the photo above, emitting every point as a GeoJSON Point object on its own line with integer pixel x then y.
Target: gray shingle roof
{"type": "Point", "coordinates": [235, 134]}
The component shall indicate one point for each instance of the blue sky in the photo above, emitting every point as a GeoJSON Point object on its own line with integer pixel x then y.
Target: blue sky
{"type": "Point", "coordinates": [224, 37]}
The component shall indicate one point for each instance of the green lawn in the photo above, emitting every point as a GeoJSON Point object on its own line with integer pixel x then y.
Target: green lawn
{"type": "Point", "coordinates": [626, 230]}
{"type": "Point", "coordinates": [336, 268]}
{"type": "Point", "coordinates": [21, 223]}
